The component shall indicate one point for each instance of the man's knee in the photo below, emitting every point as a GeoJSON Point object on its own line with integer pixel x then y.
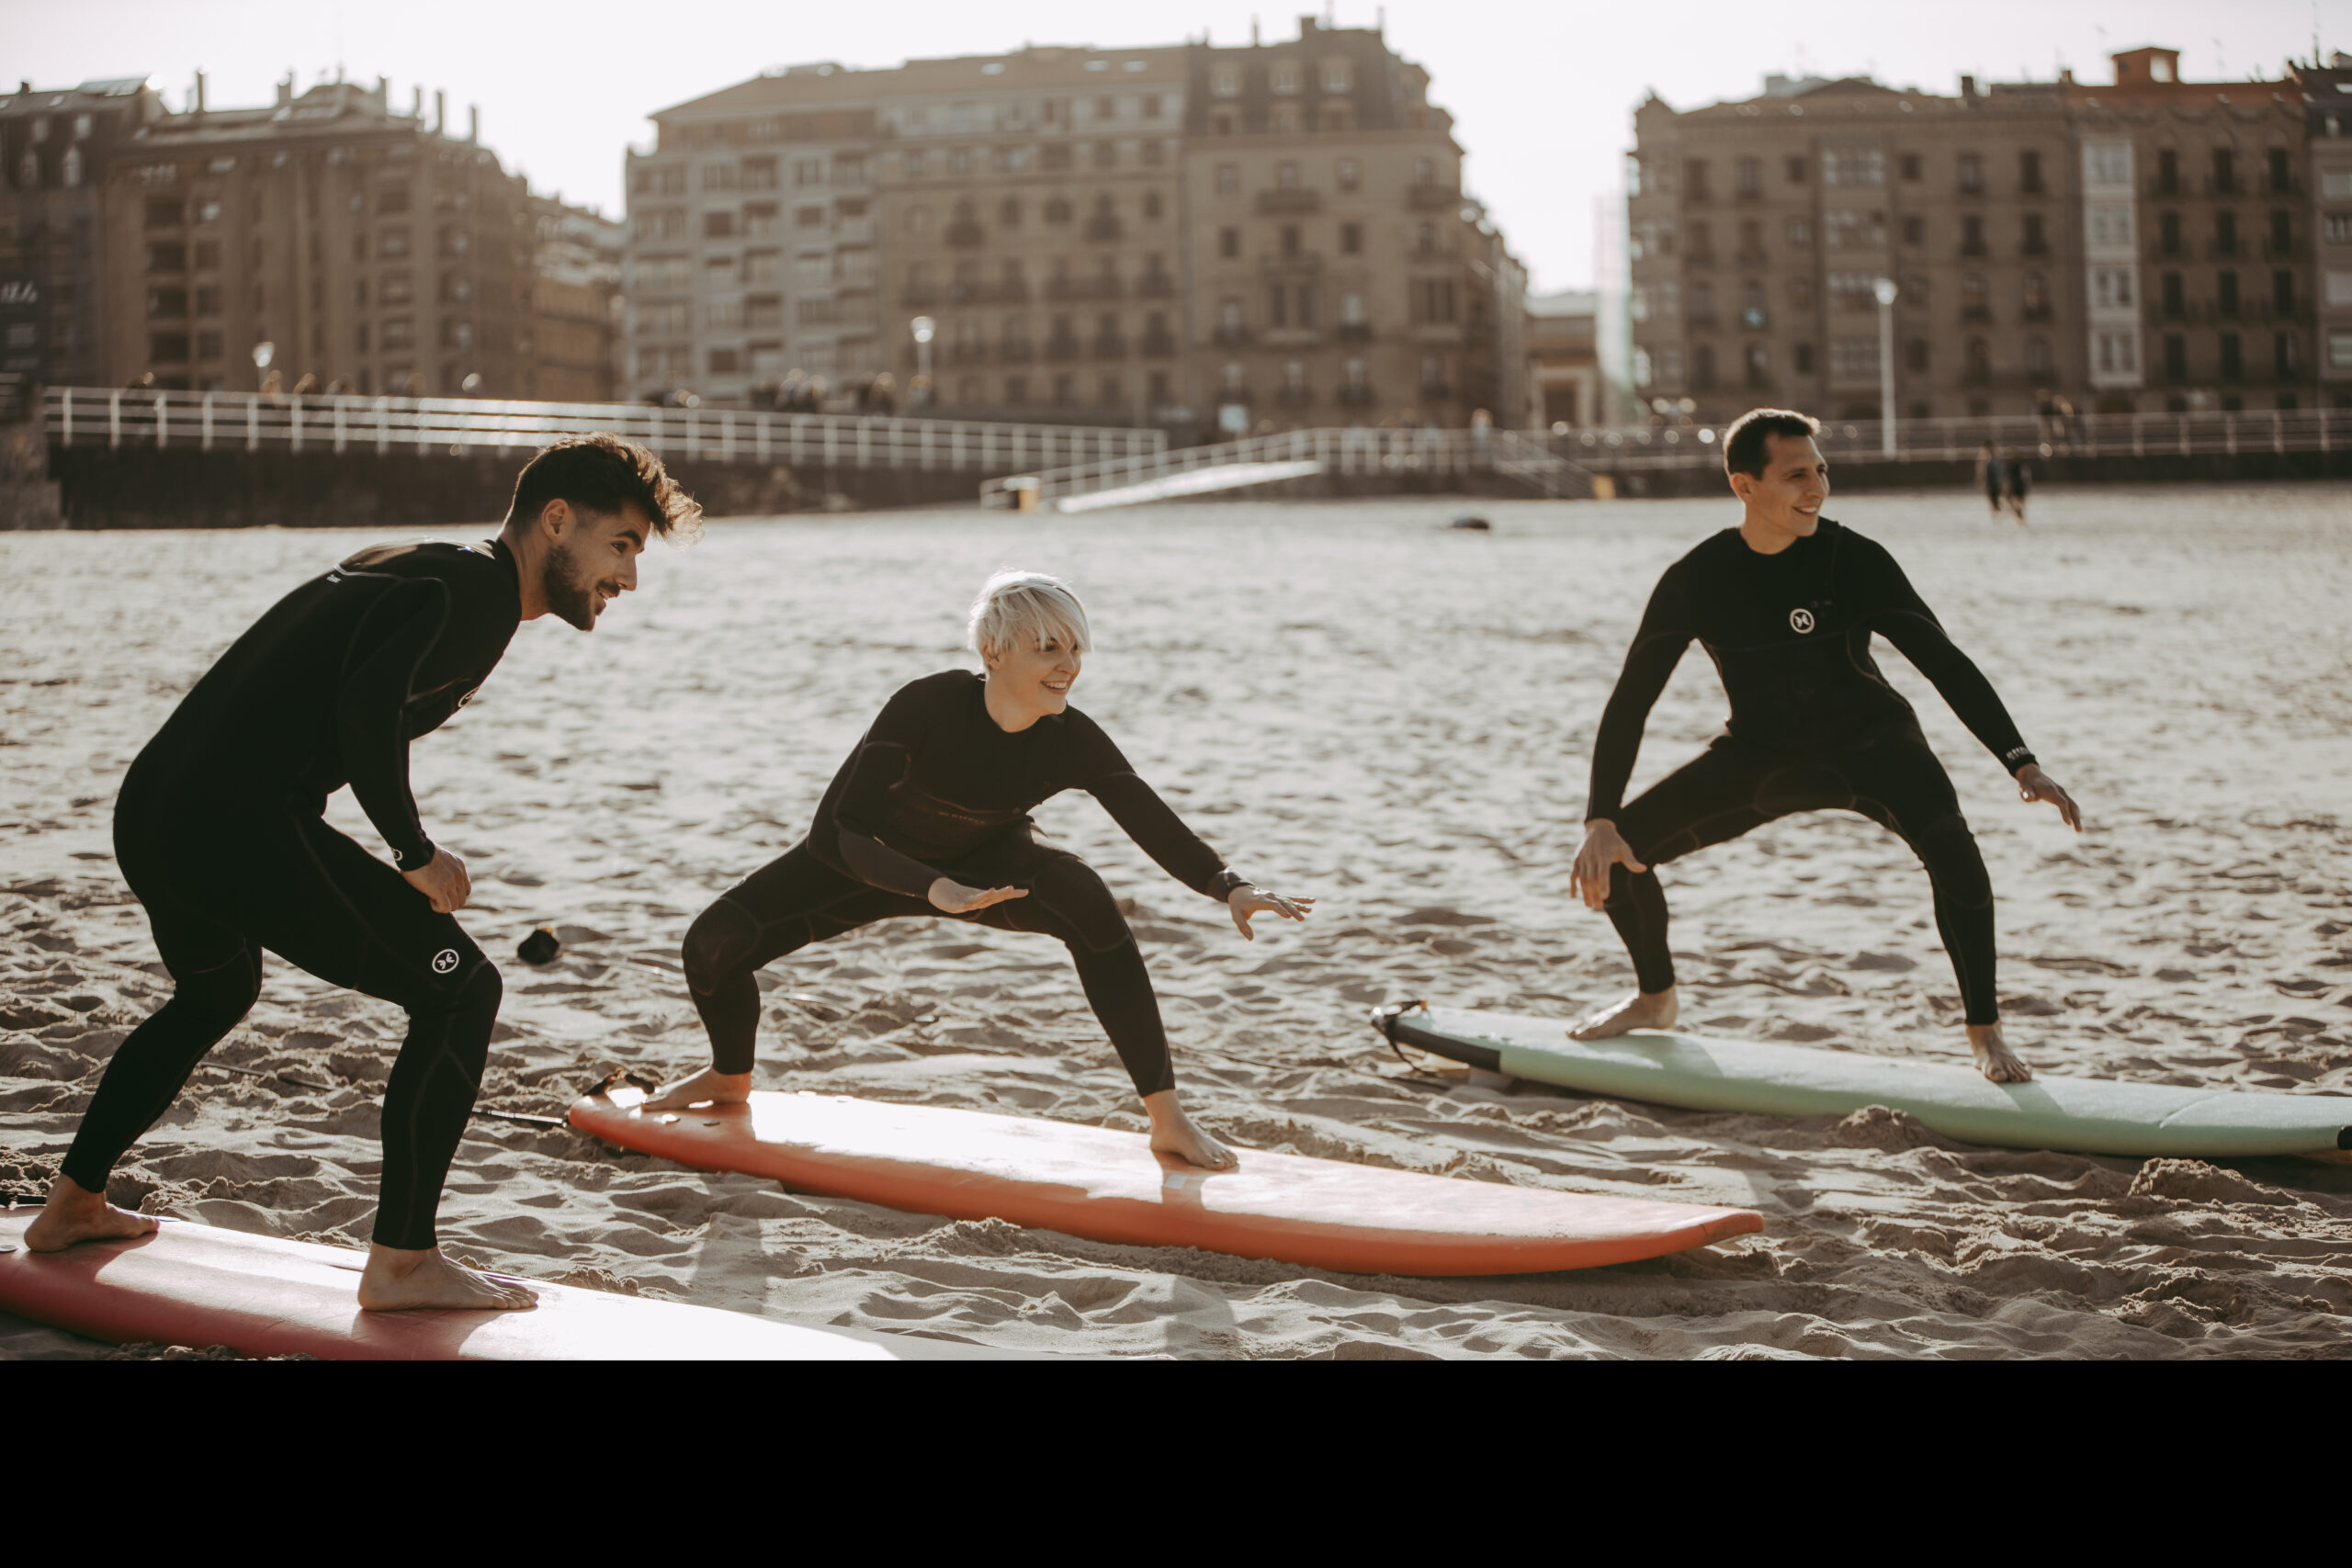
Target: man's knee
{"type": "Point", "coordinates": [718, 945]}
{"type": "Point", "coordinates": [1954, 863]}
{"type": "Point", "coordinates": [222, 995]}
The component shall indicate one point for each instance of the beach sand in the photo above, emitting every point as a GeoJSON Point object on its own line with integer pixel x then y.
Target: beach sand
{"type": "Point", "coordinates": [1349, 702]}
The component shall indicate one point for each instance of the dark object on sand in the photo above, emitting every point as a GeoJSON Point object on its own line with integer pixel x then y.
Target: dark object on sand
{"type": "Point", "coordinates": [1472, 524]}
{"type": "Point", "coordinates": [539, 947]}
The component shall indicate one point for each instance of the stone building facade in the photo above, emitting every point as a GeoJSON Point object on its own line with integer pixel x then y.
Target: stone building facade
{"type": "Point", "coordinates": [1266, 236]}
{"type": "Point", "coordinates": [572, 349]}
{"type": "Point", "coordinates": [2124, 247]}
{"type": "Point", "coordinates": [2327, 120]}
{"type": "Point", "coordinates": [372, 252]}
{"type": "Point", "coordinates": [55, 147]}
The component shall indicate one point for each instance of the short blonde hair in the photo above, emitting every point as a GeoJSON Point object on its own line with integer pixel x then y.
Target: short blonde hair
{"type": "Point", "coordinates": [1027, 604]}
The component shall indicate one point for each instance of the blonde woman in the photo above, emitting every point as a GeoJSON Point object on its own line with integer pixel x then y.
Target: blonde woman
{"type": "Point", "coordinates": [930, 816]}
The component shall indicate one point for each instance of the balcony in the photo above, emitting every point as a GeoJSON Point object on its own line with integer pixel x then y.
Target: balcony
{"type": "Point", "coordinates": [1753, 261]}
{"type": "Point", "coordinates": [1436, 391]}
{"type": "Point", "coordinates": [1294, 265]}
{"type": "Point", "coordinates": [967, 354]}
{"type": "Point", "coordinates": [1288, 203]}
{"type": "Point", "coordinates": [1438, 333]}
{"type": "Point", "coordinates": [1155, 286]}
{"type": "Point", "coordinates": [964, 234]}
{"type": "Point", "coordinates": [1699, 258]}
{"type": "Point", "coordinates": [2033, 247]}
{"type": "Point", "coordinates": [919, 297]}
{"type": "Point", "coordinates": [1702, 318]}
{"type": "Point", "coordinates": [2223, 250]}
{"type": "Point", "coordinates": [1974, 248]}
{"type": "Point", "coordinates": [1353, 331]}
{"type": "Point", "coordinates": [1292, 337]}
{"type": "Point", "coordinates": [1102, 230]}
{"type": "Point", "coordinates": [1065, 288]}
{"type": "Point", "coordinates": [2035, 313]}
{"type": "Point", "coordinates": [1356, 397]}
{"type": "Point", "coordinates": [1061, 348]}
{"type": "Point", "coordinates": [1158, 345]}
{"type": "Point", "coordinates": [1294, 397]}
{"type": "Point", "coordinates": [1431, 198]}
{"type": "Point", "coordinates": [1110, 345]}
{"type": "Point", "coordinates": [1231, 336]}
{"type": "Point", "coordinates": [1978, 314]}
{"type": "Point", "coordinates": [1015, 351]}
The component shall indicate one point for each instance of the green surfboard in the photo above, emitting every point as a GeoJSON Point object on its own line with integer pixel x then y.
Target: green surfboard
{"type": "Point", "coordinates": [1700, 1073]}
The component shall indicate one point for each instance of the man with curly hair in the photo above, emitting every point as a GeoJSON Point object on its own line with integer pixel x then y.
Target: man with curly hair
{"type": "Point", "coordinates": [219, 830]}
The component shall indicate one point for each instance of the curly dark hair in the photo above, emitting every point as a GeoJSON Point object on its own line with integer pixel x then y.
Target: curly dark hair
{"type": "Point", "coordinates": [1744, 444]}
{"type": "Point", "coordinates": [602, 473]}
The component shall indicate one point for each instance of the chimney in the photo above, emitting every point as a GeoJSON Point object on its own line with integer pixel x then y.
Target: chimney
{"type": "Point", "coordinates": [199, 92]}
{"type": "Point", "coordinates": [1968, 86]}
{"type": "Point", "coordinates": [441, 112]}
{"type": "Point", "coordinates": [286, 91]}
{"type": "Point", "coordinates": [1253, 32]}
{"type": "Point", "coordinates": [384, 96]}
{"type": "Point", "coordinates": [473, 122]}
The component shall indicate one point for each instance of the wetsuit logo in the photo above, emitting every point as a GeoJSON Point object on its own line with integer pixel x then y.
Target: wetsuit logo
{"type": "Point", "coordinates": [444, 960]}
{"type": "Point", "coordinates": [469, 696]}
{"type": "Point", "coordinates": [1800, 620]}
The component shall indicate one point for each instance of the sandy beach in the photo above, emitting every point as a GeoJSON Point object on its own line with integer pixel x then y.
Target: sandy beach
{"type": "Point", "coordinates": [1352, 701]}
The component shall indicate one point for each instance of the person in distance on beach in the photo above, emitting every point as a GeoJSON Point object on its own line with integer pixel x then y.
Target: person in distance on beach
{"type": "Point", "coordinates": [218, 831]}
{"type": "Point", "coordinates": [930, 816]}
{"type": "Point", "coordinates": [1785, 604]}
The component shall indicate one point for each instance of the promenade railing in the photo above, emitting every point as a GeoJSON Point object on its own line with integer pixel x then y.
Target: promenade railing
{"type": "Point", "coordinates": [1342, 452]}
{"type": "Point", "coordinates": [2028, 436]}
{"type": "Point", "coordinates": [255, 422]}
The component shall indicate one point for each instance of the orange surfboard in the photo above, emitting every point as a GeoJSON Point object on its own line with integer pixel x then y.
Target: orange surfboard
{"type": "Point", "coordinates": [1109, 1185]}
{"type": "Point", "coordinates": [194, 1284]}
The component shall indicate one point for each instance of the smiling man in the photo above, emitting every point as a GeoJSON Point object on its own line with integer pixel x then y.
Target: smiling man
{"type": "Point", "coordinates": [1785, 604]}
{"type": "Point", "coordinates": [219, 830]}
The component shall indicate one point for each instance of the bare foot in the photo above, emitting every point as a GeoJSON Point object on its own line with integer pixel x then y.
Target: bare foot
{"type": "Point", "coordinates": [73, 1214]}
{"type": "Point", "coordinates": [1643, 1009]}
{"type": "Point", "coordinates": [1995, 1059]}
{"type": "Point", "coordinates": [1173, 1133]}
{"type": "Point", "coordinates": [708, 1086]}
{"type": "Point", "coordinates": [397, 1280]}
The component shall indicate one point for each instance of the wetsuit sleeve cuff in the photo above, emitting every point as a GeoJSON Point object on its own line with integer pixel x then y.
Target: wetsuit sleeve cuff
{"type": "Point", "coordinates": [1226, 881]}
{"type": "Point", "coordinates": [414, 855]}
{"type": "Point", "coordinates": [2015, 758]}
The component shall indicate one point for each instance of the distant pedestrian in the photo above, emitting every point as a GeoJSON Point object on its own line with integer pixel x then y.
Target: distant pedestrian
{"type": "Point", "coordinates": [2017, 480]}
{"type": "Point", "coordinates": [1993, 474]}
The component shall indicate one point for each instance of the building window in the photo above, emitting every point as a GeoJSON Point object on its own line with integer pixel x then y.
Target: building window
{"type": "Point", "coordinates": [1225, 80]}
{"type": "Point", "coordinates": [1284, 76]}
{"type": "Point", "coordinates": [2112, 287]}
{"type": "Point", "coordinates": [1972, 173]}
{"type": "Point", "coordinates": [1909, 165]}
{"type": "Point", "coordinates": [1915, 229]}
{"type": "Point", "coordinates": [1914, 354]}
{"type": "Point", "coordinates": [1351, 238]}
{"type": "Point", "coordinates": [1853, 358]}
{"type": "Point", "coordinates": [2339, 349]}
{"type": "Point", "coordinates": [2028, 172]}
{"type": "Point", "coordinates": [1346, 175]}
{"type": "Point", "coordinates": [1797, 165]}
{"type": "Point", "coordinates": [2232, 350]}
{"type": "Point", "coordinates": [1800, 233]}
{"type": "Point", "coordinates": [1285, 176]}
{"type": "Point", "coordinates": [2037, 356]}
{"type": "Point", "coordinates": [1229, 242]}
{"type": "Point", "coordinates": [1853, 166]}
{"type": "Point", "coordinates": [1338, 77]}
{"type": "Point", "coordinates": [1228, 179]}
{"type": "Point", "coordinates": [1748, 177]}
{"type": "Point", "coordinates": [1803, 358]}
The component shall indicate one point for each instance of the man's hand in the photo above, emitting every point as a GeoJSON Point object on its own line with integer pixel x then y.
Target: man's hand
{"type": "Point", "coordinates": [957, 899]}
{"type": "Point", "coordinates": [1247, 900]}
{"type": "Point", "coordinates": [1602, 848]}
{"type": "Point", "coordinates": [443, 881]}
{"type": "Point", "coordinates": [2035, 784]}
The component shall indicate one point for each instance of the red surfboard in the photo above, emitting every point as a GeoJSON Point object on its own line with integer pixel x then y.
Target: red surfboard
{"type": "Point", "coordinates": [1109, 1185]}
{"type": "Point", "coordinates": [194, 1284]}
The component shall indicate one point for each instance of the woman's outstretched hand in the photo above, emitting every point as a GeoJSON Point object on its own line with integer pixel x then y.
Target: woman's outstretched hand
{"type": "Point", "coordinates": [1247, 900]}
{"type": "Point", "coordinates": [2035, 784]}
{"type": "Point", "coordinates": [957, 899]}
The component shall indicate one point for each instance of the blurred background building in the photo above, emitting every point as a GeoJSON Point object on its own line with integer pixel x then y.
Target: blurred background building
{"type": "Point", "coordinates": [2056, 247]}
{"type": "Point", "coordinates": [1564, 343]}
{"type": "Point", "coordinates": [1243, 238]}
{"type": "Point", "coordinates": [572, 351]}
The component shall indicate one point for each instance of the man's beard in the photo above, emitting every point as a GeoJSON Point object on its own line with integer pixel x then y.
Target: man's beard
{"type": "Point", "coordinates": [569, 591]}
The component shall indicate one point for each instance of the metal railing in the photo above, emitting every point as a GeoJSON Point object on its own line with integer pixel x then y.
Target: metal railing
{"type": "Point", "coordinates": [2200, 434]}
{"type": "Point", "coordinates": [1345, 452]}
{"type": "Point", "coordinates": [253, 421]}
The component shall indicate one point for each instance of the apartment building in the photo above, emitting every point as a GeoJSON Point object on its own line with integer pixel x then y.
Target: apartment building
{"type": "Point", "coordinates": [571, 347]}
{"type": "Point", "coordinates": [370, 251]}
{"type": "Point", "coordinates": [1272, 235]}
{"type": "Point", "coordinates": [2327, 120]}
{"type": "Point", "coordinates": [1338, 273]}
{"type": "Point", "coordinates": [1564, 342]}
{"type": "Point", "coordinates": [55, 147]}
{"type": "Point", "coordinates": [2113, 247]}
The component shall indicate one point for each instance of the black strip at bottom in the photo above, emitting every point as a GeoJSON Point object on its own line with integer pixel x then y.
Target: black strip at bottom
{"type": "Point", "coordinates": [1390, 1022]}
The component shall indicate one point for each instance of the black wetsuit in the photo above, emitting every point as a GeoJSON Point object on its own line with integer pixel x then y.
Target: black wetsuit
{"type": "Point", "coordinates": [218, 831]}
{"type": "Point", "coordinates": [936, 789]}
{"type": "Point", "coordinates": [1813, 727]}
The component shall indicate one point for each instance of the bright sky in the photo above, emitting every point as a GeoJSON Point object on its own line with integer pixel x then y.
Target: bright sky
{"type": "Point", "coordinates": [1541, 91]}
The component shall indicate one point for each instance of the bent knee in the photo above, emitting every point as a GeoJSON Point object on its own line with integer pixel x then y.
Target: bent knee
{"type": "Point", "coordinates": [1954, 863]}
{"type": "Point", "coordinates": [1085, 914]}
{"type": "Point", "coordinates": [718, 945]}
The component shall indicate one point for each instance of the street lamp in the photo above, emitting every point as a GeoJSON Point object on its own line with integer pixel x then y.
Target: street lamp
{"type": "Point", "coordinates": [924, 327]}
{"type": "Point", "coordinates": [263, 353]}
{"type": "Point", "coordinates": [1885, 290]}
